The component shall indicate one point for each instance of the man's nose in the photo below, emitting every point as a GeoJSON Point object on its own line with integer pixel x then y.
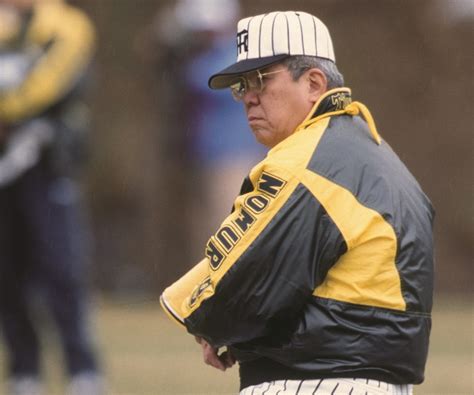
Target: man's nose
{"type": "Point", "coordinates": [251, 97]}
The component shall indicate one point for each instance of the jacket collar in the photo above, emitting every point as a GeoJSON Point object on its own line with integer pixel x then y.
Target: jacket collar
{"type": "Point", "coordinates": [339, 101]}
{"type": "Point", "coordinates": [333, 100]}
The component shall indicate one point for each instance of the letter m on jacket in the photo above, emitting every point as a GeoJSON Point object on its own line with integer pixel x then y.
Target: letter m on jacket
{"type": "Point", "coordinates": [270, 184]}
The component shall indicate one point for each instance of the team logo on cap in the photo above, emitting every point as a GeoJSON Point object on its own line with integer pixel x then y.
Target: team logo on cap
{"type": "Point", "coordinates": [243, 41]}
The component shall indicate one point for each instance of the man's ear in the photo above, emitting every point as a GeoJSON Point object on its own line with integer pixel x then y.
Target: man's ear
{"type": "Point", "coordinates": [318, 84]}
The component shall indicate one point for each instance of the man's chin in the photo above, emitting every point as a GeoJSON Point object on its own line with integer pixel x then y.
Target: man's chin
{"type": "Point", "coordinates": [261, 136]}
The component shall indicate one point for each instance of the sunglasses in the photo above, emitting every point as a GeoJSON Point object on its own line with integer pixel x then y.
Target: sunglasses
{"type": "Point", "coordinates": [253, 81]}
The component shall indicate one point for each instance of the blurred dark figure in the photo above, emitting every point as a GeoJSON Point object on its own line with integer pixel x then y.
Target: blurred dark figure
{"type": "Point", "coordinates": [204, 129]}
{"type": "Point", "coordinates": [46, 48]}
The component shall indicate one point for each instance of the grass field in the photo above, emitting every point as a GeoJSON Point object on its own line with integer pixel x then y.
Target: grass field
{"type": "Point", "coordinates": [146, 354]}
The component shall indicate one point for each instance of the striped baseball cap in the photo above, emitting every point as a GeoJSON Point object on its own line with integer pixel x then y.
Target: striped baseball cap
{"type": "Point", "coordinates": [267, 39]}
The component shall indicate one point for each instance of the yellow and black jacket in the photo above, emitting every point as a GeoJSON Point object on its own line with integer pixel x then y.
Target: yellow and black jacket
{"type": "Point", "coordinates": [325, 266]}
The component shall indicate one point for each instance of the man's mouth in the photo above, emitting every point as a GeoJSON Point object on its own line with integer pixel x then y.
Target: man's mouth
{"type": "Point", "coordinates": [252, 118]}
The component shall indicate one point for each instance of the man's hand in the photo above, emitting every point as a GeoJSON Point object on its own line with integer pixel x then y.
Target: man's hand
{"type": "Point", "coordinates": [211, 357]}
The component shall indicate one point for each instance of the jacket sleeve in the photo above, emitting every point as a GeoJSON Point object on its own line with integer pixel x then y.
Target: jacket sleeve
{"type": "Point", "coordinates": [261, 266]}
{"type": "Point", "coordinates": [67, 39]}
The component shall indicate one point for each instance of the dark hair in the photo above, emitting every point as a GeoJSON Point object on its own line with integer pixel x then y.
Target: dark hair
{"type": "Point", "coordinates": [297, 65]}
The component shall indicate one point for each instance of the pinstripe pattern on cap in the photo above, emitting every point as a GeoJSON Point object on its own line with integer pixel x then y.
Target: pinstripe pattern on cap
{"type": "Point", "coordinates": [289, 32]}
{"type": "Point", "coordinates": [268, 38]}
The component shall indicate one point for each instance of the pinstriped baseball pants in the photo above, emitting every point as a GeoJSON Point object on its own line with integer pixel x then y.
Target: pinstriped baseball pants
{"type": "Point", "coordinates": [328, 387]}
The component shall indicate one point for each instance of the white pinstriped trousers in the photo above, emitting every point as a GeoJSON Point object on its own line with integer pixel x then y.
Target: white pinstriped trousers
{"type": "Point", "coordinates": [328, 387]}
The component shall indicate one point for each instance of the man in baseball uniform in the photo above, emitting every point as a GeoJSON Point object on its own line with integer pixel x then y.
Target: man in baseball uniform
{"type": "Point", "coordinates": [320, 280]}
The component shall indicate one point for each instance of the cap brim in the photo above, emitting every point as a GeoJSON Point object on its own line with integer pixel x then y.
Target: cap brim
{"type": "Point", "coordinates": [229, 75]}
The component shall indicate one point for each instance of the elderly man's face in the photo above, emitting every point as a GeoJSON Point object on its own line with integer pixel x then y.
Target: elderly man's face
{"type": "Point", "coordinates": [275, 113]}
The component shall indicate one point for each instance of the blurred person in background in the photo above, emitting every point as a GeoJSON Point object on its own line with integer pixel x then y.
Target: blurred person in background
{"type": "Point", "coordinates": [46, 48]}
{"type": "Point", "coordinates": [221, 151]}
{"type": "Point", "coordinates": [197, 36]}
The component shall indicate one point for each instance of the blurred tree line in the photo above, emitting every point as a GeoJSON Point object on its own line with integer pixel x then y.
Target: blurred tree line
{"type": "Point", "coordinates": [410, 62]}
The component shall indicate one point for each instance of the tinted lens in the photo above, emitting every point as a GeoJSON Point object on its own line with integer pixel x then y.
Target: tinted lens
{"type": "Point", "coordinates": [255, 81]}
{"type": "Point", "coordinates": [259, 81]}
{"type": "Point", "coordinates": [251, 81]}
{"type": "Point", "coordinates": [239, 88]}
